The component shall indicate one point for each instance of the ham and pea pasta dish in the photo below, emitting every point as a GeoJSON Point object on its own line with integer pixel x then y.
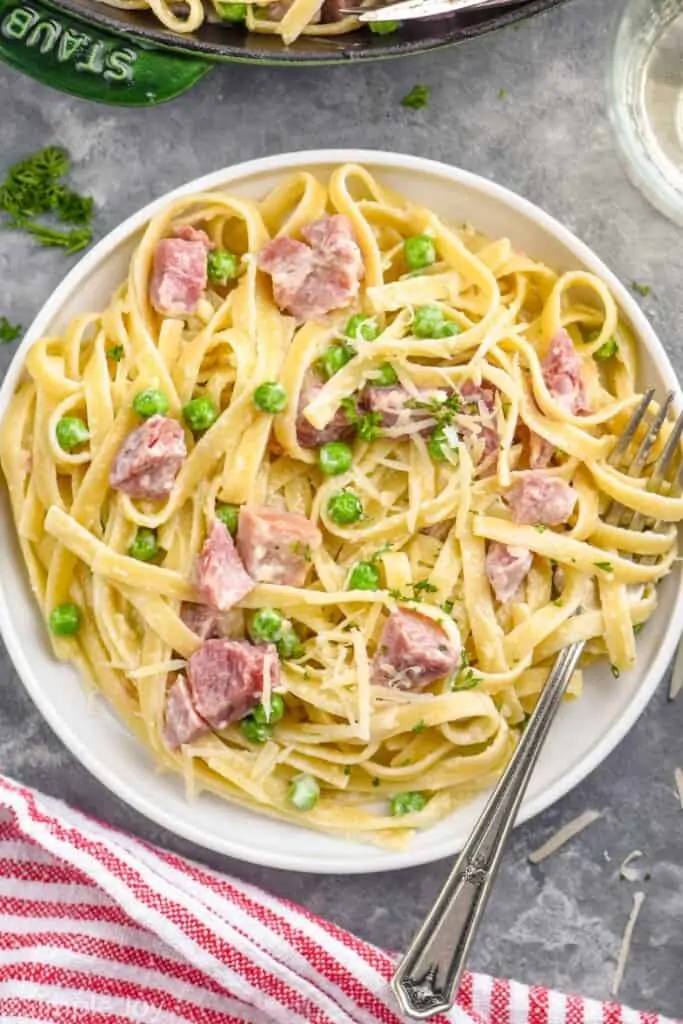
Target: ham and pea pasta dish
{"type": "Point", "coordinates": [316, 500]}
{"type": "Point", "coordinates": [288, 19]}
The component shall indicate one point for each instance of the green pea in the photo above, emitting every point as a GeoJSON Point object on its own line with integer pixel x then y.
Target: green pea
{"type": "Point", "coordinates": [266, 625]}
{"type": "Point", "coordinates": [335, 457]}
{"type": "Point", "coordinates": [606, 350]}
{"type": "Point", "coordinates": [199, 414]}
{"type": "Point", "coordinates": [428, 322]}
{"type": "Point", "coordinates": [334, 358]}
{"type": "Point", "coordinates": [270, 397]}
{"type": "Point", "coordinates": [223, 266]}
{"type": "Point", "coordinates": [255, 732]}
{"type": "Point", "coordinates": [65, 619]}
{"type": "Point", "coordinates": [384, 376]}
{"type": "Point", "coordinates": [419, 251]}
{"type": "Point", "coordinates": [449, 329]}
{"type": "Point", "coordinates": [304, 792]}
{"type": "Point", "coordinates": [235, 13]}
{"type": "Point", "coordinates": [72, 431]}
{"type": "Point", "coordinates": [289, 645]}
{"type": "Point", "coordinates": [362, 328]}
{"type": "Point", "coordinates": [407, 803]}
{"type": "Point", "coordinates": [364, 576]}
{"type": "Point", "coordinates": [228, 515]}
{"type": "Point", "coordinates": [150, 402]}
{"type": "Point", "coordinates": [277, 710]}
{"type": "Point", "coordinates": [145, 546]}
{"type": "Point", "coordinates": [384, 28]}
{"type": "Point", "coordinates": [344, 508]}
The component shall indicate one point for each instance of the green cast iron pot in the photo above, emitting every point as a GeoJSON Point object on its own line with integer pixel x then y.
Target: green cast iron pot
{"type": "Point", "coordinates": [128, 58]}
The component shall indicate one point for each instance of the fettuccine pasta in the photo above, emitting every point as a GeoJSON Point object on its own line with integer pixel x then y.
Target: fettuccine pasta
{"type": "Point", "coordinates": [372, 506]}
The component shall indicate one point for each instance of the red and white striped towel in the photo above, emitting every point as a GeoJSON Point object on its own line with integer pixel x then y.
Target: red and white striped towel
{"type": "Point", "coordinates": [97, 927]}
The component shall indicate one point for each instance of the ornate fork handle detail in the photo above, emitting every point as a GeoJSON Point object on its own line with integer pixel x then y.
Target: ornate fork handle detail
{"type": "Point", "coordinates": [426, 981]}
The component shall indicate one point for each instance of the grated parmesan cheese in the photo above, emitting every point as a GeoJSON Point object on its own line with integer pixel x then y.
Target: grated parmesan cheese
{"type": "Point", "coordinates": [678, 776]}
{"type": "Point", "coordinates": [158, 668]}
{"type": "Point", "coordinates": [567, 832]}
{"type": "Point", "coordinates": [268, 666]}
{"type": "Point", "coordinates": [622, 959]}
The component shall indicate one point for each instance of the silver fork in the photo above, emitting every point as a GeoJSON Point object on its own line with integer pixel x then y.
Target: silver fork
{"type": "Point", "coordinates": [410, 10]}
{"type": "Point", "coordinates": [427, 978]}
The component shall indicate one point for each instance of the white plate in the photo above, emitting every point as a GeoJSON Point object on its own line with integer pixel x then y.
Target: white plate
{"type": "Point", "coordinates": [586, 731]}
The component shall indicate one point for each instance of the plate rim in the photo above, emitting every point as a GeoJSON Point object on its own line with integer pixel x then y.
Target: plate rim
{"type": "Point", "coordinates": [381, 160]}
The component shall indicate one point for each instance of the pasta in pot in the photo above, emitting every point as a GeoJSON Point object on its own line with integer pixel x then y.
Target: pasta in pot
{"type": "Point", "coordinates": [286, 18]}
{"type": "Point", "coordinates": [321, 563]}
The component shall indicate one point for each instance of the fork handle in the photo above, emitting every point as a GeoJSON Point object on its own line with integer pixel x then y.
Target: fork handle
{"type": "Point", "coordinates": [427, 979]}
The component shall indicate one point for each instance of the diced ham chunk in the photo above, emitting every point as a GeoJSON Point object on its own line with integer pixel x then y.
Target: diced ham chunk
{"type": "Point", "coordinates": [149, 459]}
{"type": "Point", "coordinates": [222, 580]}
{"type": "Point", "coordinates": [412, 653]}
{"type": "Point", "coordinates": [562, 374]}
{"type": "Point", "coordinates": [179, 274]}
{"type": "Point", "coordinates": [538, 499]}
{"type": "Point", "coordinates": [183, 724]}
{"type": "Point", "coordinates": [226, 678]}
{"type": "Point", "coordinates": [480, 395]}
{"type": "Point", "coordinates": [208, 623]}
{"type": "Point", "coordinates": [310, 280]}
{"type": "Point", "coordinates": [540, 451]}
{"type": "Point", "coordinates": [276, 546]}
{"type": "Point", "coordinates": [506, 567]}
{"type": "Point", "coordinates": [308, 436]}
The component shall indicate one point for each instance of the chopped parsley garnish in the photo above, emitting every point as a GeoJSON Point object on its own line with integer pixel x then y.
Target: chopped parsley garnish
{"type": "Point", "coordinates": [347, 769]}
{"type": "Point", "coordinates": [420, 727]}
{"type": "Point", "coordinates": [381, 551]}
{"type": "Point", "coordinates": [417, 98]}
{"type": "Point", "coordinates": [466, 679]}
{"type": "Point", "coordinates": [558, 602]}
{"type": "Point", "coordinates": [375, 782]}
{"type": "Point", "coordinates": [116, 352]}
{"type": "Point", "coordinates": [421, 587]}
{"type": "Point", "coordinates": [368, 425]}
{"type": "Point", "coordinates": [605, 566]}
{"type": "Point", "coordinates": [502, 94]}
{"type": "Point", "coordinates": [33, 188]}
{"type": "Point", "coordinates": [447, 607]}
{"type": "Point", "coordinates": [638, 627]}
{"type": "Point", "coordinates": [9, 332]}
{"type": "Point", "coordinates": [540, 527]}
{"type": "Point", "coordinates": [442, 409]}
{"type": "Point", "coordinates": [424, 586]}
{"type": "Point", "coordinates": [298, 548]}
{"type": "Point", "coordinates": [642, 289]}
{"type": "Point", "coordinates": [615, 671]}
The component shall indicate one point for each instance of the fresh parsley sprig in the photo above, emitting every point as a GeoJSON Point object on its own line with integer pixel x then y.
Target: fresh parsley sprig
{"type": "Point", "coordinates": [33, 188]}
{"type": "Point", "coordinates": [9, 332]}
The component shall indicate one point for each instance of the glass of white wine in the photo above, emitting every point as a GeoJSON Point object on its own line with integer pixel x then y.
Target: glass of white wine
{"type": "Point", "coordinates": [646, 99]}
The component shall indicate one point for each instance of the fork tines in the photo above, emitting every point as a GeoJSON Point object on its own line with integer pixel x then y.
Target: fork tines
{"type": "Point", "coordinates": [618, 514]}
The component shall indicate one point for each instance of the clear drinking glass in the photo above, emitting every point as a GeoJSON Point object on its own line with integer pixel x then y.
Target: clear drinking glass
{"type": "Point", "coordinates": [646, 99]}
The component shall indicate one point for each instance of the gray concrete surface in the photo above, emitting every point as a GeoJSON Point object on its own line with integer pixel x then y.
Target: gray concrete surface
{"type": "Point", "coordinates": [549, 138]}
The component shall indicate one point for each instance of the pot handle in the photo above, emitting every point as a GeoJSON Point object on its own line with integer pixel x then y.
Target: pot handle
{"type": "Point", "coordinates": [78, 57]}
